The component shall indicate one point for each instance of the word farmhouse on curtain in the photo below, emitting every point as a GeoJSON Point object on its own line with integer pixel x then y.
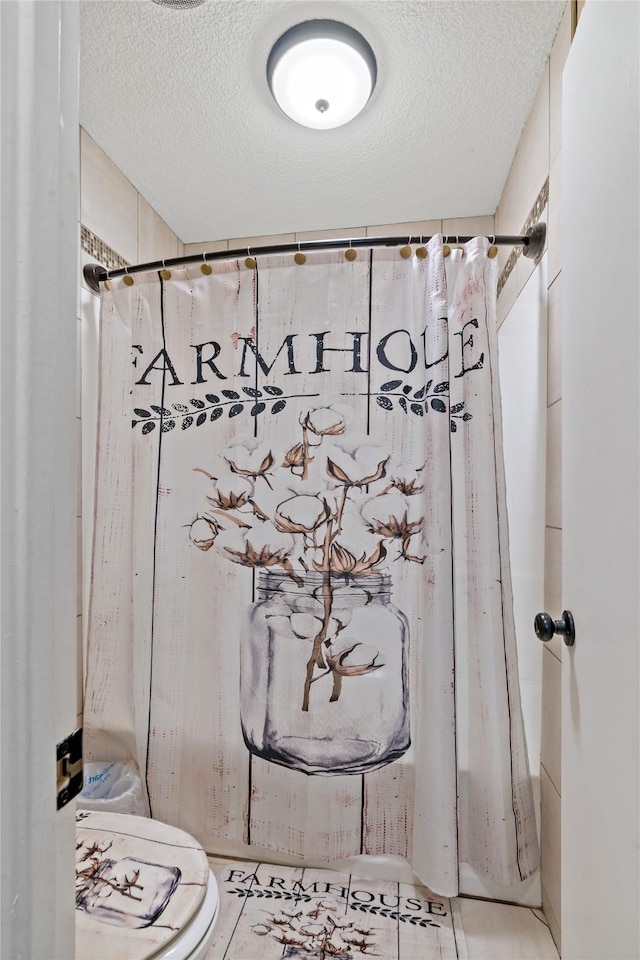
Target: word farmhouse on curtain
{"type": "Point", "coordinates": [301, 621]}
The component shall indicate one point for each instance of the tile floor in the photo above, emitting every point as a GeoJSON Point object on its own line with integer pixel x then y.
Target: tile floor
{"type": "Point", "coordinates": [492, 931]}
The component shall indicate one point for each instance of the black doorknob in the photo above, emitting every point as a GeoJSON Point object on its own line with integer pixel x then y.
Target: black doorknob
{"type": "Point", "coordinates": [546, 627]}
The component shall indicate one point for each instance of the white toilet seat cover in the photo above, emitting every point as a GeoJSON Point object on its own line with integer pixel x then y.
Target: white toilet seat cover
{"type": "Point", "coordinates": [138, 885]}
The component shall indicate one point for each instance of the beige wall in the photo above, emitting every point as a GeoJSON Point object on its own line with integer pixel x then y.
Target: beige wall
{"type": "Point", "coordinates": [538, 157]}
{"type": "Point", "coordinates": [461, 226]}
{"type": "Point", "coordinates": [112, 208]}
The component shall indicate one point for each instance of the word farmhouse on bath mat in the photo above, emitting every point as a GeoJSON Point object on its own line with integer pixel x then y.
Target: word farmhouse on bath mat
{"type": "Point", "coordinates": [268, 912]}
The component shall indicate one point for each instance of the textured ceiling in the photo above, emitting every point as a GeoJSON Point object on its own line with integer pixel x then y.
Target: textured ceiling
{"type": "Point", "coordinates": [178, 99]}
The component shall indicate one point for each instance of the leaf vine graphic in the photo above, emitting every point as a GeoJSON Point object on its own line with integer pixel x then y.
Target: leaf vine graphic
{"type": "Point", "coordinates": [269, 399]}
{"type": "Point", "coordinates": [270, 894]}
{"type": "Point", "coordinates": [420, 401]}
{"type": "Point", "coordinates": [393, 914]}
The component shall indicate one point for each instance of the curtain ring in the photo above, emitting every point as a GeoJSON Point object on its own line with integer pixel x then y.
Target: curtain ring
{"type": "Point", "coordinates": [406, 251]}
{"type": "Point", "coordinates": [250, 261]}
{"type": "Point", "coordinates": [205, 267]}
{"type": "Point", "coordinates": [421, 251]}
{"type": "Point", "coordinates": [350, 254]}
{"type": "Point", "coordinates": [493, 250]}
{"type": "Point", "coordinates": [164, 273]}
{"type": "Point", "coordinates": [300, 257]}
{"type": "Point", "coordinates": [127, 280]}
{"type": "Point", "coordinates": [446, 249]}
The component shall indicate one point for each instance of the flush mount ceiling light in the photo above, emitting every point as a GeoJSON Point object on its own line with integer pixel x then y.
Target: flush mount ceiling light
{"type": "Point", "coordinates": [321, 73]}
{"type": "Point", "coordinates": [179, 4]}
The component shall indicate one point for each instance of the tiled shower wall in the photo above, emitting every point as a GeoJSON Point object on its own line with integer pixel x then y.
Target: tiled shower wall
{"type": "Point", "coordinates": [460, 226]}
{"type": "Point", "coordinates": [536, 175]}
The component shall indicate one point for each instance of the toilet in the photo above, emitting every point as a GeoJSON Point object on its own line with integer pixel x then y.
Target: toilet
{"type": "Point", "coordinates": [144, 890]}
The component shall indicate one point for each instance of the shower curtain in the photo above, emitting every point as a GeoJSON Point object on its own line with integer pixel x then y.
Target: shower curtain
{"type": "Point", "coordinates": [301, 622]}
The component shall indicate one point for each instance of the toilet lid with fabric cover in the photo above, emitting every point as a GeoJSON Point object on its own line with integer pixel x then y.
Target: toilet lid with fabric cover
{"type": "Point", "coordinates": [139, 882]}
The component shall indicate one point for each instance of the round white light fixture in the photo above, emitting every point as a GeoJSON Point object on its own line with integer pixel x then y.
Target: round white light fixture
{"type": "Point", "coordinates": [321, 73]}
{"type": "Point", "coordinates": [179, 4]}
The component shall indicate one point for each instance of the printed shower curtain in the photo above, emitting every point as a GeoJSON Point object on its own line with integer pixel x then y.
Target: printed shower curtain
{"type": "Point", "coordinates": [301, 621]}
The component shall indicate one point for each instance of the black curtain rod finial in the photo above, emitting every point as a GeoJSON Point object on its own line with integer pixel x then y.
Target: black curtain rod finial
{"type": "Point", "coordinates": [537, 235]}
{"type": "Point", "coordinates": [93, 273]}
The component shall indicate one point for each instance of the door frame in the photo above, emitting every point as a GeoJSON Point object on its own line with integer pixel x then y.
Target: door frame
{"type": "Point", "coordinates": [39, 44]}
{"type": "Point", "coordinates": [600, 877]}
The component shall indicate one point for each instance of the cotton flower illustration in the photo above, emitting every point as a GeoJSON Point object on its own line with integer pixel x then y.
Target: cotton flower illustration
{"type": "Point", "coordinates": [305, 626]}
{"type": "Point", "coordinates": [295, 457]}
{"type": "Point", "coordinates": [301, 514]}
{"type": "Point", "coordinates": [251, 556]}
{"type": "Point", "coordinates": [354, 660]}
{"type": "Point", "coordinates": [262, 546]}
{"type": "Point", "coordinates": [355, 472]}
{"type": "Point", "coordinates": [343, 563]}
{"type": "Point", "coordinates": [231, 493]}
{"type": "Point", "coordinates": [255, 471]}
{"type": "Point", "coordinates": [203, 532]}
{"type": "Point", "coordinates": [407, 487]}
{"type": "Point", "coordinates": [320, 422]}
{"type": "Point", "coordinates": [314, 931]}
{"type": "Point", "coordinates": [388, 516]}
{"type": "Point", "coordinates": [324, 422]}
{"type": "Point", "coordinates": [396, 528]}
{"type": "Point", "coordinates": [262, 539]}
{"type": "Point", "coordinates": [327, 513]}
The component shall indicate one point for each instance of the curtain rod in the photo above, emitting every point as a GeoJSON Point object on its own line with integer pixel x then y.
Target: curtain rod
{"type": "Point", "coordinates": [533, 242]}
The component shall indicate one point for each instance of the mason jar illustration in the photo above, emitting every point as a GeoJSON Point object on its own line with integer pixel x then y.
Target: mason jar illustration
{"type": "Point", "coordinates": [126, 892]}
{"type": "Point", "coordinates": [324, 673]}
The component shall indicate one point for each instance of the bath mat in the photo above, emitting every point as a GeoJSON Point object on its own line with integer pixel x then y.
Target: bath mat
{"type": "Point", "coordinates": [268, 911]}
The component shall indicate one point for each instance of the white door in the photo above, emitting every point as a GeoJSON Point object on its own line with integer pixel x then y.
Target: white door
{"type": "Point", "coordinates": [601, 488]}
{"type": "Point", "coordinates": [39, 175]}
